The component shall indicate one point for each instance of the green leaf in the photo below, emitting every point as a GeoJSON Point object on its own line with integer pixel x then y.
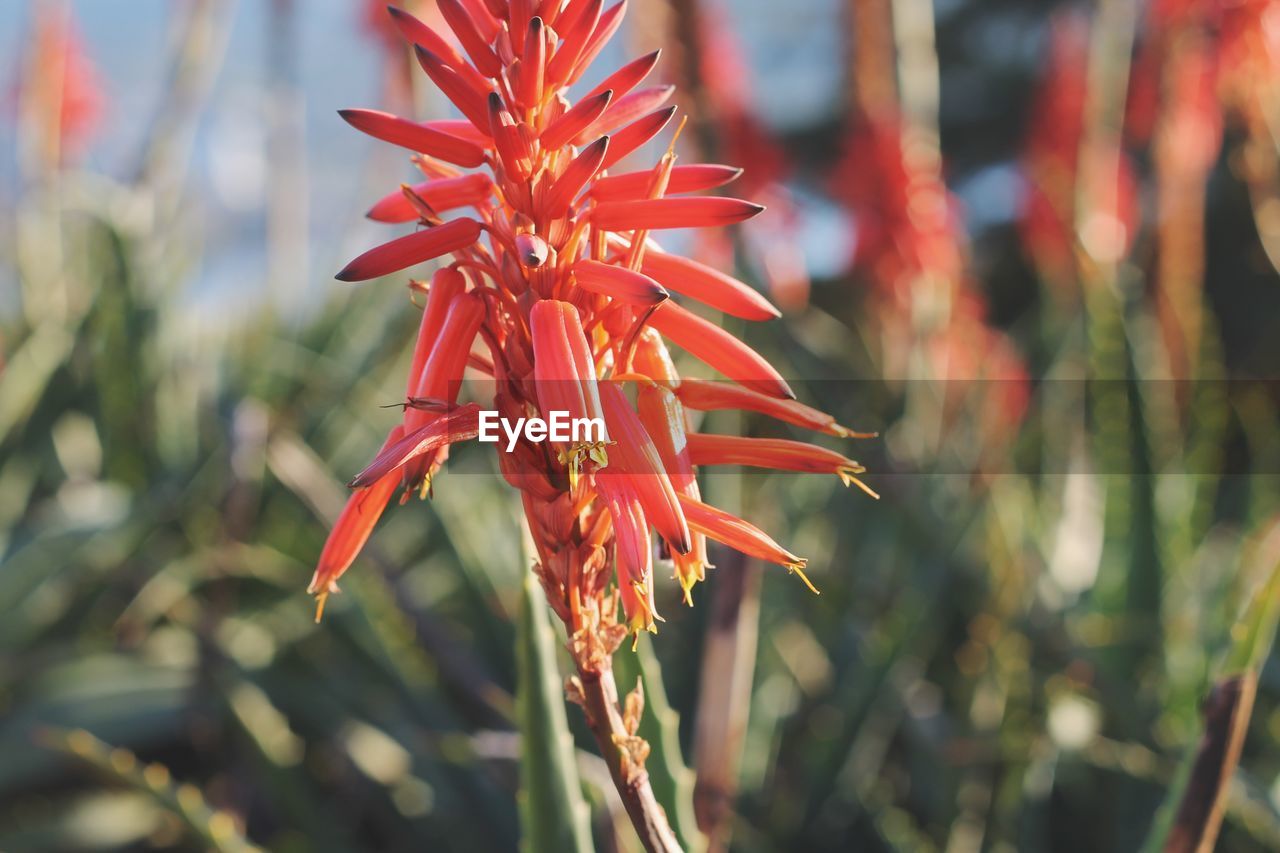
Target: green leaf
{"type": "Point", "coordinates": [552, 812]}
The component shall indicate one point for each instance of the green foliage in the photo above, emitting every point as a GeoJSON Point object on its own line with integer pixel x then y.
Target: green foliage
{"type": "Point", "coordinates": [553, 816]}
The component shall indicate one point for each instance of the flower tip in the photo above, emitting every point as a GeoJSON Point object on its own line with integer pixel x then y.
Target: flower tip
{"type": "Point", "coordinates": [427, 57]}
{"type": "Point", "coordinates": [347, 273]}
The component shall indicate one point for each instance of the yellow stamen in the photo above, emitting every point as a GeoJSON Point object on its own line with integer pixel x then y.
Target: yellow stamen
{"type": "Point", "coordinates": [321, 597]}
{"type": "Point", "coordinates": [799, 570]}
{"type": "Point", "coordinates": [847, 477]}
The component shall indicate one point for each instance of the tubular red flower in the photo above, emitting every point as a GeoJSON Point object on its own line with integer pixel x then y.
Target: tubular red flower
{"type": "Point", "coordinates": [461, 424]}
{"type": "Point", "coordinates": [778, 453]}
{"type": "Point", "coordinates": [582, 115]}
{"type": "Point", "coordinates": [637, 133]}
{"type": "Point", "coordinates": [516, 156]}
{"type": "Point", "coordinates": [628, 76]}
{"type": "Point", "coordinates": [533, 63]}
{"type": "Point", "coordinates": [634, 550]}
{"type": "Point", "coordinates": [604, 30]}
{"type": "Point", "coordinates": [416, 32]}
{"type": "Point", "coordinates": [414, 136]}
{"type": "Point", "coordinates": [440, 195]}
{"type": "Point", "coordinates": [575, 26]}
{"type": "Point", "coordinates": [664, 421]}
{"type": "Point", "coordinates": [464, 93]}
{"type": "Point", "coordinates": [741, 536]}
{"type": "Point", "coordinates": [708, 396]}
{"type": "Point", "coordinates": [413, 249]}
{"type": "Point", "coordinates": [686, 212]}
{"type": "Point", "coordinates": [683, 179]}
{"type": "Point", "coordinates": [352, 530]}
{"type": "Point", "coordinates": [708, 285]}
{"type": "Point", "coordinates": [634, 454]}
{"type": "Point", "coordinates": [446, 286]}
{"type": "Point", "coordinates": [575, 177]}
{"type": "Point", "coordinates": [442, 370]}
{"type": "Point", "coordinates": [626, 110]}
{"type": "Point", "coordinates": [476, 45]}
{"type": "Point", "coordinates": [618, 283]}
{"type": "Point", "coordinates": [652, 359]}
{"type": "Point", "coordinates": [564, 372]}
{"type": "Point", "coordinates": [719, 349]}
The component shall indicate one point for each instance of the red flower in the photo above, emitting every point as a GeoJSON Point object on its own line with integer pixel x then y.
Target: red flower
{"type": "Point", "coordinates": [555, 272]}
{"type": "Point", "coordinates": [61, 85]}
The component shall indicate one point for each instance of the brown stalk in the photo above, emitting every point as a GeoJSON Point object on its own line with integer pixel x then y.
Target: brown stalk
{"type": "Point", "coordinates": [1226, 719]}
{"type": "Point", "coordinates": [624, 753]}
{"type": "Point", "coordinates": [724, 694]}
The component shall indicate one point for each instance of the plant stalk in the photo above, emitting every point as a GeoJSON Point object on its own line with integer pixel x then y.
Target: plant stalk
{"type": "Point", "coordinates": [624, 754]}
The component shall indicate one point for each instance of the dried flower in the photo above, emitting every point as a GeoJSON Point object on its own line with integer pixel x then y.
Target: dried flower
{"type": "Point", "coordinates": [556, 272]}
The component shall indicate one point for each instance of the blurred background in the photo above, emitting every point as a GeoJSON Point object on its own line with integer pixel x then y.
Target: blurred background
{"type": "Point", "coordinates": [1034, 245]}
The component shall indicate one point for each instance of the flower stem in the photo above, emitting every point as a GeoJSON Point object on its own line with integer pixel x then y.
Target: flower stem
{"type": "Point", "coordinates": [624, 755]}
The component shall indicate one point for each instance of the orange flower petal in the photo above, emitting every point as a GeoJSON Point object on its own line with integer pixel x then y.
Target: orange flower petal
{"type": "Point", "coordinates": [563, 369]}
{"type": "Point", "coordinates": [533, 61]}
{"type": "Point", "coordinates": [446, 285]}
{"type": "Point", "coordinates": [636, 134]}
{"type": "Point", "coordinates": [441, 195]}
{"type": "Point", "coordinates": [618, 283]}
{"type": "Point", "coordinates": [576, 25]}
{"type": "Point", "coordinates": [464, 94]}
{"type": "Point", "coordinates": [584, 167]}
{"type": "Point", "coordinates": [682, 212]}
{"type": "Point", "coordinates": [442, 371]}
{"type": "Point", "coordinates": [516, 158]}
{"type": "Point", "coordinates": [652, 359]}
{"type": "Point", "coordinates": [581, 115]}
{"type": "Point", "coordinates": [414, 136]}
{"type": "Point", "coordinates": [709, 396]}
{"type": "Point", "coordinates": [709, 286]}
{"type": "Point", "coordinates": [628, 76]}
{"type": "Point", "coordinates": [717, 348]}
{"type": "Point", "coordinates": [352, 528]}
{"type": "Point", "coordinates": [464, 26]}
{"type": "Point", "coordinates": [412, 249]}
{"type": "Point", "coordinates": [605, 29]}
{"type": "Point", "coordinates": [739, 535]}
{"type": "Point", "coordinates": [778, 453]}
{"type": "Point", "coordinates": [633, 548]}
{"type": "Point", "coordinates": [418, 33]}
{"type": "Point", "coordinates": [683, 179]}
{"type": "Point", "coordinates": [626, 110]}
{"type": "Point", "coordinates": [637, 456]}
{"type": "Point", "coordinates": [461, 424]}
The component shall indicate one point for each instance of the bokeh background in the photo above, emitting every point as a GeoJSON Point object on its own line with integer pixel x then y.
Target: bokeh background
{"type": "Point", "coordinates": [1032, 244]}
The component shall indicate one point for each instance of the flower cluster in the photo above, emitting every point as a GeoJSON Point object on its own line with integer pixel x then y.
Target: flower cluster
{"type": "Point", "coordinates": [910, 246]}
{"type": "Point", "coordinates": [556, 274]}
